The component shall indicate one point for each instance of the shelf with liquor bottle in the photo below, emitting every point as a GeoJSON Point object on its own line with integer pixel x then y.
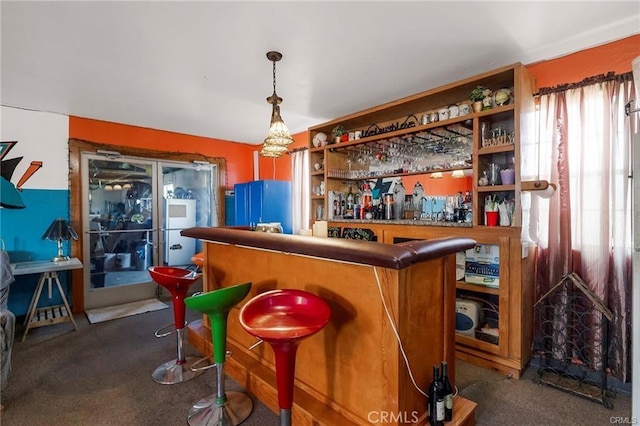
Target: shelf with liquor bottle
{"type": "Point", "coordinates": [430, 134]}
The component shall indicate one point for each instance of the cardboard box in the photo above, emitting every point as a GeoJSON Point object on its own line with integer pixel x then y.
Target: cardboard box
{"type": "Point", "coordinates": [482, 265]}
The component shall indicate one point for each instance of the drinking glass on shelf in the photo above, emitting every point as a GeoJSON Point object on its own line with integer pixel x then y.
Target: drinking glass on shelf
{"type": "Point", "coordinates": [493, 173]}
{"type": "Point", "coordinates": [350, 157]}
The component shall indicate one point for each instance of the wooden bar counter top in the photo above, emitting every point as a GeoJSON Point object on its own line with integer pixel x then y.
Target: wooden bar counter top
{"type": "Point", "coordinates": [353, 371]}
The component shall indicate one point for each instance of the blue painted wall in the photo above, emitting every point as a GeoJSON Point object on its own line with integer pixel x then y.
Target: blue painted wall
{"type": "Point", "coordinates": [21, 231]}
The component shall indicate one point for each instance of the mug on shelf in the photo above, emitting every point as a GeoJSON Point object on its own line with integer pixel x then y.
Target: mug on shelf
{"type": "Point", "coordinates": [443, 114]}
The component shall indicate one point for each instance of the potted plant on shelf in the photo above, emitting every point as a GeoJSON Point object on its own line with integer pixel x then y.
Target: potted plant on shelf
{"type": "Point", "coordinates": [338, 132]}
{"type": "Point", "coordinates": [476, 96]}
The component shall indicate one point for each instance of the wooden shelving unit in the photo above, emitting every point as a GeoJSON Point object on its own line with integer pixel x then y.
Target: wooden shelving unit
{"type": "Point", "coordinates": [511, 351]}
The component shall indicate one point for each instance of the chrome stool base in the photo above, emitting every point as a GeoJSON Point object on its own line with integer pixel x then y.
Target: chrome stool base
{"type": "Point", "coordinates": [207, 412]}
{"type": "Point", "coordinates": [285, 417]}
{"type": "Point", "coordinates": [171, 372]}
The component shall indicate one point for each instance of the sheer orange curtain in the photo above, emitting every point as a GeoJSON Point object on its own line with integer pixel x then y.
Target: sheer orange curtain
{"type": "Point", "coordinates": [584, 146]}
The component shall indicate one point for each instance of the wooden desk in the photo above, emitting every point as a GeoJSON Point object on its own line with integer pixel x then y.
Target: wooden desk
{"type": "Point", "coordinates": [48, 270]}
{"type": "Point", "coordinates": [353, 370]}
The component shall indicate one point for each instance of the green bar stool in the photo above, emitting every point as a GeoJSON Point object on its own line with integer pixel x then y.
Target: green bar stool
{"type": "Point", "coordinates": [221, 408]}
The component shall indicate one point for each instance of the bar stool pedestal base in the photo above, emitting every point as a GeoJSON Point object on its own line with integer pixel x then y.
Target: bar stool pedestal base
{"type": "Point", "coordinates": [171, 372]}
{"type": "Point", "coordinates": [207, 412]}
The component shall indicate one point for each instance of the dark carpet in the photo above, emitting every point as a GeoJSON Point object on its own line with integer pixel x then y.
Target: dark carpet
{"type": "Point", "coordinates": [101, 375]}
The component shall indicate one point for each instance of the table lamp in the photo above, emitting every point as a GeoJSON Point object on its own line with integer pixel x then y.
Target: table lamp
{"type": "Point", "coordinates": [59, 230]}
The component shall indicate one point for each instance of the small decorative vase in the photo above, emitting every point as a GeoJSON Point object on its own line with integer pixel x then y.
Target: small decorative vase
{"type": "Point", "coordinates": [477, 106]}
{"type": "Point", "coordinates": [487, 103]}
{"type": "Point", "coordinates": [507, 176]}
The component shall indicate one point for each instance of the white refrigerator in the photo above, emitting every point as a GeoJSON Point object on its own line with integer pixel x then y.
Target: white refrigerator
{"type": "Point", "coordinates": [179, 214]}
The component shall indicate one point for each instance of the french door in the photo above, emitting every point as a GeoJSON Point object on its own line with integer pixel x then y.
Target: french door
{"type": "Point", "coordinates": [134, 210]}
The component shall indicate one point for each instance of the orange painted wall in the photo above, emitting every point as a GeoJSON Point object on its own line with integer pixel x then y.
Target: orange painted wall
{"type": "Point", "coordinates": [445, 186]}
{"type": "Point", "coordinates": [615, 56]}
{"type": "Point", "coordinates": [238, 156]}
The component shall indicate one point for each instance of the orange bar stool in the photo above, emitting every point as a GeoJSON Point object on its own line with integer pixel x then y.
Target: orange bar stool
{"type": "Point", "coordinates": [177, 281]}
{"type": "Point", "coordinates": [283, 318]}
{"type": "Point", "coordinates": [198, 259]}
{"type": "Point", "coordinates": [221, 408]}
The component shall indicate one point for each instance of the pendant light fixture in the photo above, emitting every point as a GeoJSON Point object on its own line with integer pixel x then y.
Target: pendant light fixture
{"type": "Point", "coordinates": [279, 138]}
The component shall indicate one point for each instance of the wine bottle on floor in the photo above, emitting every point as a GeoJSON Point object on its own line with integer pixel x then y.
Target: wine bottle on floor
{"type": "Point", "coordinates": [436, 399]}
{"type": "Point", "coordinates": [448, 393]}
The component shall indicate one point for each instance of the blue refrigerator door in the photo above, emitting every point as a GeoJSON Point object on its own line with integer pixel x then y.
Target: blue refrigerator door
{"type": "Point", "coordinates": [276, 203]}
{"type": "Point", "coordinates": [263, 201]}
{"type": "Point", "coordinates": [241, 204]}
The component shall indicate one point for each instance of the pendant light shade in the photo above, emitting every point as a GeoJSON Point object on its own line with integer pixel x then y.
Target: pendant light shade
{"type": "Point", "coordinates": [278, 132]}
{"type": "Point", "coordinates": [279, 137]}
{"type": "Point", "coordinates": [273, 151]}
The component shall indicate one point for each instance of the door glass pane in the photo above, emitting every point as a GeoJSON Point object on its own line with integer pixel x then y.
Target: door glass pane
{"type": "Point", "coordinates": [188, 201]}
{"type": "Point", "coordinates": [120, 222]}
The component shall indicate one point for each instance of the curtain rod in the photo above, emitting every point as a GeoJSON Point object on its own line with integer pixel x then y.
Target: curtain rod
{"type": "Point", "coordinates": [302, 148]}
{"type": "Point", "coordinates": [585, 82]}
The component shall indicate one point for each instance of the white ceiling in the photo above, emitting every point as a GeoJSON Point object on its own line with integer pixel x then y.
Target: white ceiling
{"type": "Point", "coordinates": [200, 68]}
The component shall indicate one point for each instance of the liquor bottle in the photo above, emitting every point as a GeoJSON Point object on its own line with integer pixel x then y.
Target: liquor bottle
{"type": "Point", "coordinates": [367, 197]}
{"type": "Point", "coordinates": [436, 399]}
{"type": "Point", "coordinates": [448, 393]}
{"type": "Point", "coordinates": [350, 202]}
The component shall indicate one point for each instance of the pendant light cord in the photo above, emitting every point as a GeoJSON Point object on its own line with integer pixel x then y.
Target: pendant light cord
{"type": "Point", "coordinates": [274, 79]}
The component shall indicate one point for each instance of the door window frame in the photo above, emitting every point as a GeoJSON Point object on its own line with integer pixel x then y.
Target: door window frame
{"type": "Point", "coordinates": [76, 148]}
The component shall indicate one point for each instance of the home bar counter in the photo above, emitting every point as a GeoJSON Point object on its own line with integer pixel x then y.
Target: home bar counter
{"type": "Point", "coordinates": [353, 371]}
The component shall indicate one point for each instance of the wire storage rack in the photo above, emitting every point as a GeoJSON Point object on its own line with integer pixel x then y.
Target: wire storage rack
{"type": "Point", "coordinates": [570, 340]}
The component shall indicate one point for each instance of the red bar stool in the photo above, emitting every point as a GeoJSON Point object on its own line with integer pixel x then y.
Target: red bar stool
{"type": "Point", "coordinates": [283, 318]}
{"type": "Point", "coordinates": [177, 281]}
{"type": "Point", "coordinates": [222, 408]}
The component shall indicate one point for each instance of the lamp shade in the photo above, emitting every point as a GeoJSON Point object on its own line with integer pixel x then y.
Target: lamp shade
{"type": "Point", "coordinates": [59, 230]}
{"type": "Point", "coordinates": [278, 132]}
{"type": "Point", "coordinates": [273, 151]}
